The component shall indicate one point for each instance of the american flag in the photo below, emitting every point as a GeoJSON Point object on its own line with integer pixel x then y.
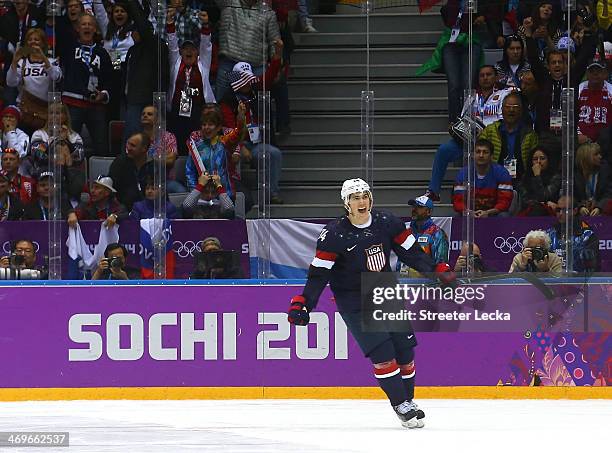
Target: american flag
{"type": "Point", "coordinates": [239, 79]}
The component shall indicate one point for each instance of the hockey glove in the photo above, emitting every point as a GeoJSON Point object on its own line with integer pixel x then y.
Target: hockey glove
{"type": "Point", "coordinates": [298, 313]}
{"type": "Point", "coordinates": [445, 275]}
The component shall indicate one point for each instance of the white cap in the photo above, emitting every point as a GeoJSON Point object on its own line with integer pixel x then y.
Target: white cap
{"type": "Point", "coordinates": [243, 66]}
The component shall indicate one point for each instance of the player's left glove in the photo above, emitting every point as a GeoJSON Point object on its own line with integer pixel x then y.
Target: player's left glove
{"type": "Point", "coordinates": [445, 275]}
{"type": "Point", "coordinates": [298, 313]}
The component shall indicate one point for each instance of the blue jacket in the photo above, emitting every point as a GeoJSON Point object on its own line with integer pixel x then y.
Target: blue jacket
{"type": "Point", "coordinates": [144, 210]}
{"type": "Point", "coordinates": [433, 241]}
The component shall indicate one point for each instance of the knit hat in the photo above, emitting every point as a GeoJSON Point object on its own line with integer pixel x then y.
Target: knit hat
{"type": "Point", "coordinates": [12, 110]}
{"type": "Point", "coordinates": [213, 240]}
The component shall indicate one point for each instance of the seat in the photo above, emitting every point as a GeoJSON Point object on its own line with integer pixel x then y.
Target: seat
{"type": "Point", "coordinates": [492, 56]}
{"type": "Point", "coordinates": [177, 198]}
{"type": "Point", "coordinates": [179, 168]}
{"type": "Point", "coordinates": [99, 166]}
{"type": "Point", "coordinates": [115, 136]}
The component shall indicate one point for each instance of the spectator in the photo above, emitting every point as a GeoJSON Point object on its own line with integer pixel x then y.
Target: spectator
{"type": "Point", "coordinates": [594, 103]}
{"type": "Point", "coordinates": [148, 122]}
{"type": "Point", "coordinates": [148, 51]}
{"type": "Point", "coordinates": [451, 54]}
{"type": "Point", "coordinates": [34, 73]}
{"type": "Point", "coordinates": [65, 29]}
{"type": "Point", "coordinates": [584, 245]}
{"type": "Point", "coordinates": [530, 91]}
{"type": "Point", "coordinates": [186, 17]}
{"type": "Point", "coordinates": [431, 237]}
{"type": "Point", "coordinates": [486, 107]}
{"type": "Point", "coordinates": [39, 209]}
{"type": "Point", "coordinates": [304, 17]}
{"type": "Point", "coordinates": [208, 200]}
{"type": "Point", "coordinates": [512, 139]}
{"type": "Point", "coordinates": [71, 153]}
{"type": "Point", "coordinates": [603, 14]}
{"type": "Point", "coordinates": [23, 187]}
{"type": "Point", "coordinates": [478, 265]}
{"type": "Point", "coordinates": [189, 80]}
{"type": "Point", "coordinates": [114, 265]}
{"type": "Point", "coordinates": [233, 161]}
{"type": "Point", "coordinates": [10, 205]}
{"type": "Point", "coordinates": [245, 86]}
{"type": "Point", "coordinates": [514, 63]}
{"type": "Point", "coordinates": [493, 193]}
{"type": "Point", "coordinates": [553, 79]}
{"type": "Point", "coordinates": [536, 255]}
{"type": "Point", "coordinates": [12, 136]}
{"type": "Point", "coordinates": [130, 170]}
{"type": "Point", "coordinates": [87, 73]}
{"type": "Point", "coordinates": [102, 205]}
{"type": "Point", "coordinates": [145, 209]}
{"type": "Point", "coordinates": [117, 29]}
{"type": "Point", "coordinates": [592, 181]}
{"type": "Point", "coordinates": [23, 258]}
{"type": "Point", "coordinates": [543, 28]}
{"type": "Point", "coordinates": [244, 26]}
{"type": "Point", "coordinates": [540, 185]}
{"type": "Point", "coordinates": [21, 16]}
{"type": "Point", "coordinates": [215, 263]}
{"type": "Point", "coordinates": [208, 151]}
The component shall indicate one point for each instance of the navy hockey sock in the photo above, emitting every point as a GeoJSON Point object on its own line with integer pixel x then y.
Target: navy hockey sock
{"type": "Point", "coordinates": [407, 373]}
{"type": "Point", "coordinates": [390, 381]}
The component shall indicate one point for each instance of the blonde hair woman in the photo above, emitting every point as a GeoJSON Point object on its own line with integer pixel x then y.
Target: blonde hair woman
{"type": "Point", "coordinates": [592, 180]}
{"type": "Point", "coordinates": [32, 71]}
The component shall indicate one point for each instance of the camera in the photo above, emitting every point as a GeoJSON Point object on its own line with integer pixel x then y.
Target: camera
{"type": "Point", "coordinates": [587, 18]}
{"type": "Point", "coordinates": [16, 260]}
{"type": "Point", "coordinates": [11, 273]}
{"type": "Point", "coordinates": [192, 91]}
{"type": "Point", "coordinates": [538, 254]}
{"type": "Point", "coordinates": [92, 96]}
{"type": "Point", "coordinates": [54, 8]}
{"type": "Point", "coordinates": [115, 262]}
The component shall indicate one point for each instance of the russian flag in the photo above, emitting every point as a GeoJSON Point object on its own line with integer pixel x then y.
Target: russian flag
{"type": "Point", "coordinates": [424, 5]}
{"type": "Point", "coordinates": [151, 231]}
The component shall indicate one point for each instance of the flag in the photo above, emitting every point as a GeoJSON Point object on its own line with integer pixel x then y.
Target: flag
{"type": "Point", "coordinates": [151, 231]}
{"type": "Point", "coordinates": [80, 258]}
{"type": "Point", "coordinates": [424, 5]}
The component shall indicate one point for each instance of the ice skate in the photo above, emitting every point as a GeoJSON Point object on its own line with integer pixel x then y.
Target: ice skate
{"type": "Point", "coordinates": [407, 413]}
{"type": "Point", "coordinates": [420, 415]}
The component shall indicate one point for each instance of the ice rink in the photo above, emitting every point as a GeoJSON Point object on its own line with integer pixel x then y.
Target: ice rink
{"type": "Point", "coordinates": [315, 425]}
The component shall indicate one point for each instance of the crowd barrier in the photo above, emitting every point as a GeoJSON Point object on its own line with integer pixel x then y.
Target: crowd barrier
{"type": "Point", "coordinates": [171, 340]}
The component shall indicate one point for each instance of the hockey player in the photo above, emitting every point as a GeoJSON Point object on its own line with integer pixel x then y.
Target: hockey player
{"type": "Point", "coordinates": [357, 242]}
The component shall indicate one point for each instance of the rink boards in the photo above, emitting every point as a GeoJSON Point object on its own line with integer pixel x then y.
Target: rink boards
{"type": "Point", "coordinates": [185, 341]}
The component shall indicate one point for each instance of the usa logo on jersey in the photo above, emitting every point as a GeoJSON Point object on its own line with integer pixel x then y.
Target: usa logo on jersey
{"type": "Point", "coordinates": [375, 258]}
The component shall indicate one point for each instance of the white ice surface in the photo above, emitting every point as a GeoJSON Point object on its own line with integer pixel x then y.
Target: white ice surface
{"type": "Point", "coordinates": [543, 426]}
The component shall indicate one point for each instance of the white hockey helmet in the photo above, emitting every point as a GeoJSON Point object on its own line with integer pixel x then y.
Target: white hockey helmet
{"type": "Point", "coordinates": [356, 185]}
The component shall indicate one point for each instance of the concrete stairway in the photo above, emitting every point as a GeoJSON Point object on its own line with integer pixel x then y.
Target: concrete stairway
{"type": "Point", "coordinates": [328, 75]}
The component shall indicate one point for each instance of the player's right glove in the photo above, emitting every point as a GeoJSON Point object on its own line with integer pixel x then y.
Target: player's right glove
{"type": "Point", "coordinates": [298, 313]}
{"type": "Point", "coordinates": [445, 275]}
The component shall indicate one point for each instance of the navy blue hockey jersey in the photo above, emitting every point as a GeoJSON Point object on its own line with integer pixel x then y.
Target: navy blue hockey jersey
{"type": "Point", "coordinates": [344, 251]}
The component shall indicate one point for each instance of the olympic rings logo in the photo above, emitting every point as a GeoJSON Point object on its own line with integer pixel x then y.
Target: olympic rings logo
{"type": "Point", "coordinates": [187, 248]}
{"type": "Point", "coordinates": [6, 247]}
{"type": "Point", "coordinates": [509, 244]}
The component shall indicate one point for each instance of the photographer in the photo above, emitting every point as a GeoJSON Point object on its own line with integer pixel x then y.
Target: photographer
{"type": "Point", "coordinates": [536, 256]}
{"type": "Point", "coordinates": [215, 263]}
{"type": "Point", "coordinates": [479, 265]}
{"type": "Point", "coordinates": [113, 265]}
{"type": "Point", "coordinates": [208, 200]}
{"type": "Point", "coordinates": [21, 264]}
